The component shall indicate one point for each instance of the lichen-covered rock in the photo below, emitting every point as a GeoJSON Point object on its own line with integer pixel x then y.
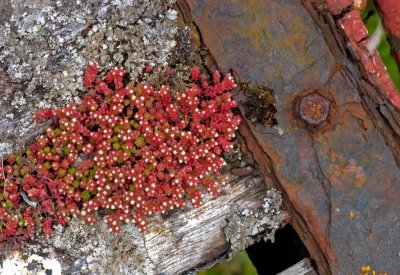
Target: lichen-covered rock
{"type": "Point", "coordinates": [97, 252]}
{"type": "Point", "coordinates": [82, 249]}
{"type": "Point", "coordinates": [21, 264]}
{"type": "Point", "coordinates": [45, 46]}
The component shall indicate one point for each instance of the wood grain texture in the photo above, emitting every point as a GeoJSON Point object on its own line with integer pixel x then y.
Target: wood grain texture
{"type": "Point", "coordinates": [301, 268]}
{"type": "Point", "coordinates": [195, 238]}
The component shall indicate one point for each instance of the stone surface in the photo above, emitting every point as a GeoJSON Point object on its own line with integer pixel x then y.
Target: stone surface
{"type": "Point", "coordinates": [341, 179]}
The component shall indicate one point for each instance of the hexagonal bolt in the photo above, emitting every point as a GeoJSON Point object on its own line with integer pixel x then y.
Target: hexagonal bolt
{"type": "Point", "coordinates": [313, 108]}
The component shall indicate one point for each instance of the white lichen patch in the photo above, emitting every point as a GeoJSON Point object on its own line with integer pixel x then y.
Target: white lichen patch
{"type": "Point", "coordinates": [17, 264]}
{"type": "Point", "coordinates": [95, 251]}
{"type": "Point", "coordinates": [5, 148]}
{"type": "Point", "coordinates": [245, 226]}
{"type": "Point", "coordinates": [81, 249]}
{"type": "Point", "coordinates": [45, 46]}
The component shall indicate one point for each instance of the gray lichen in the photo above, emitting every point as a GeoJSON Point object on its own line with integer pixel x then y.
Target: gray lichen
{"type": "Point", "coordinates": [93, 254]}
{"type": "Point", "coordinates": [33, 264]}
{"type": "Point", "coordinates": [245, 226]}
{"type": "Point", "coordinates": [45, 46]}
{"type": "Point", "coordinates": [83, 249]}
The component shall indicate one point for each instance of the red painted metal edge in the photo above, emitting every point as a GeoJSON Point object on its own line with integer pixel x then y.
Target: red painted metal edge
{"type": "Point", "coordinates": [357, 34]}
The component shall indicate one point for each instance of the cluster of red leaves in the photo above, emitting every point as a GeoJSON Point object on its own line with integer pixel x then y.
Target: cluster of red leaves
{"type": "Point", "coordinates": [130, 150]}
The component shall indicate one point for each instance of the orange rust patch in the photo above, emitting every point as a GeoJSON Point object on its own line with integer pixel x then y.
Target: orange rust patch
{"type": "Point", "coordinates": [340, 169]}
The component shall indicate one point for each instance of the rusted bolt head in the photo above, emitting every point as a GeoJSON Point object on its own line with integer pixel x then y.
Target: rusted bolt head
{"type": "Point", "coordinates": [314, 108]}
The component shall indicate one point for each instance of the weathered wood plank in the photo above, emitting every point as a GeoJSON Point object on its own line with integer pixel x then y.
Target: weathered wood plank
{"type": "Point", "coordinates": [303, 267]}
{"type": "Point", "coordinates": [179, 242]}
{"type": "Point", "coordinates": [196, 238]}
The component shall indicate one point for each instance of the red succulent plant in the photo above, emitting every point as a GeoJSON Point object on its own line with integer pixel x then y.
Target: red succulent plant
{"type": "Point", "coordinates": [131, 150]}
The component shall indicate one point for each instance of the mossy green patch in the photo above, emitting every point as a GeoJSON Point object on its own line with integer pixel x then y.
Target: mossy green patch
{"type": "Point", "coordinates": [260, 106]}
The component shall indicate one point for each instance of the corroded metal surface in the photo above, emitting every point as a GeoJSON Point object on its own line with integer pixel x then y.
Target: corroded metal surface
{"type": "Point", "coordinates": [340, 178]}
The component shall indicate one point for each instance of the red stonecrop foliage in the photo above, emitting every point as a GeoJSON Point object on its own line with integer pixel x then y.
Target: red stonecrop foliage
{"type": "Point", "coordinates": [43, 114]}
{"type": "Point", "coordinates": [130, 150]}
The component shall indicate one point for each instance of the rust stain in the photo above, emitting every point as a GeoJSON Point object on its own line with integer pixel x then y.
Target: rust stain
{"type": "Point", "coordinates": [340, 170]}
{"type": "Point", "coordinates": [313, 108]}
